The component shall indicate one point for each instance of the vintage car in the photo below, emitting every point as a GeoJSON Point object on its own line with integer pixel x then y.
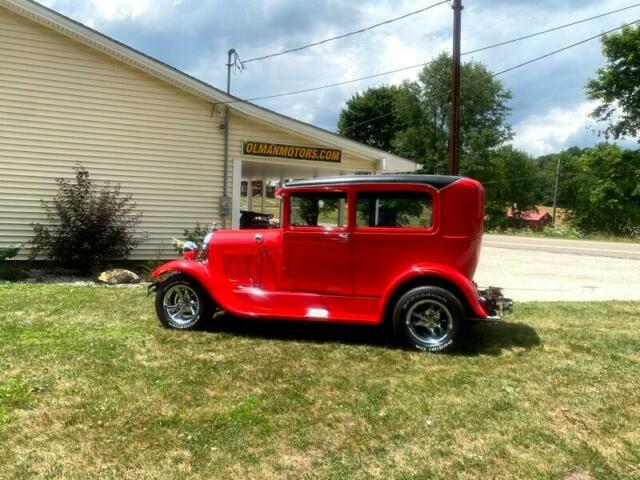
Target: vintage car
{"type": "Point", "coordinates": [387, 249]}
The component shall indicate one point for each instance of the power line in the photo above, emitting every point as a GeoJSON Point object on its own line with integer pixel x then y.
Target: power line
{"type": "Point", "coordinates": [563, 48]}
{"type": "Point", "coordinates": [345, 82]}
{"type": "Point", "coordinates": [577, 22]}
{"type": "Point", "coordinates": [389, 72]}
{"type": "Point", "coordinates": [539, 175]}
{"type": "Point", "coordinates": [371, 120]}
{"type": "Point", "coordinates": [501, 20]}
{"type": "Point", "coordinates": [337, 84]}
{"type": "Point", "coordinates": [338, 37]}
{"type": "Point", "coordinates": [513, 68]}
{"type": "Point", "coordinates": [493, 46]}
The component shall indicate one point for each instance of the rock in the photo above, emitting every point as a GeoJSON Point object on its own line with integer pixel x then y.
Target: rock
{"type": "Point", "coordinates": [117, 276]}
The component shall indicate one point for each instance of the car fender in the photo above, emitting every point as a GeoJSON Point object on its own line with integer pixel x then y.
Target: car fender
{"type": "Point", "coordinates": [451, 275]}
{"type": "Point", "coordinates": [192, 268]}
{"type": "Point", "coordinates": [213, 284]}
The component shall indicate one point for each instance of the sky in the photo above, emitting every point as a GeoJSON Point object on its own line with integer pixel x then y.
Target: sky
{"type": "Point", "coordinates": [550, 110]}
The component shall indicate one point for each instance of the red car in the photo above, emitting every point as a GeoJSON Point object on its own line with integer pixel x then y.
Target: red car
{"type": "Point", "coordinates": [355, 249]}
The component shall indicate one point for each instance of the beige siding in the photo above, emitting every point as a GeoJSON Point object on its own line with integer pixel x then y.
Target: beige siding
{"type": "Point", "coordinates": [62, 103]}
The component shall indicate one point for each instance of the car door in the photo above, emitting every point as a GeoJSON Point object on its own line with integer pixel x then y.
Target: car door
{"type": "Point", "coordinates": [317, 243]}
{"type": "Point", "coordinates": [393, 230]}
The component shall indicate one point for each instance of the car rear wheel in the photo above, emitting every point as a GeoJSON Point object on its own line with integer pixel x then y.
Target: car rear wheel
{"type": "Point", "coordinates": [182, 304]}
{"type": "Point", "coordinates": [429, 319]}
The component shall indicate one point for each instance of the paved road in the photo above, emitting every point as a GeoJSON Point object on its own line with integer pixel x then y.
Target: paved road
{"type": "Point", "coordinates": [576, 247]}
{"type": "Point", "coordinates": [543, 269]}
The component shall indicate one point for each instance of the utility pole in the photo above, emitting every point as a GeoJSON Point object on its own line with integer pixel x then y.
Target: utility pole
{"type": "Point", "coordinates": [454, 141]}
{"type": "Point", "coordinates": [555, 192]}
{"type": "Point", "coordinates": [224, 200]}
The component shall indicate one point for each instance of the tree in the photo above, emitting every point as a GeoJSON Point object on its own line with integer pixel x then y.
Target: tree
{"type": "Point", "coordinates": [369, 104]}
{"type": "Point", "coordinates": [424, 106]}
{"type": "Point", "coordinates": [512, 186]}
{"type": "Point", "coordinates": [420, 131]}
{"type": "Point", "coordinates": [545, 185]}
{"type": "Point", "coordinates": [606, 191]}
{"type": "Point", "coordinates": [616, 84]}
{"type": "Point", "coordinates": [88, 226]}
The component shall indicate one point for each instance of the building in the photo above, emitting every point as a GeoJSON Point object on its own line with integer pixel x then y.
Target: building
{"type": "Point", "coordinates": [69, 95]}
{"type": "Point", "coordinates": [534, 220]}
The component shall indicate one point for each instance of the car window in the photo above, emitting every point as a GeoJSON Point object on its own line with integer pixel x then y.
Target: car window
{"type": "Point", "coordinates": [393, 209]}
{"type": "Point", "coordinates": [325, 209]}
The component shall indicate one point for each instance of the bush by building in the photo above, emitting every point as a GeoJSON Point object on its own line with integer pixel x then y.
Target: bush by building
{"type": "Point", "coordinates": [88, 226]}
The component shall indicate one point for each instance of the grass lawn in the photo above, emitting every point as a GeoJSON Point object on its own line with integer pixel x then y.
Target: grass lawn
{"type": "Point", "coordinates": [92, 387]}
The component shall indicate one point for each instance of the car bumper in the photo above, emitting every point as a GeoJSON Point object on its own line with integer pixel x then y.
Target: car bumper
{"type": "Point", "coordinates": [495, 303]}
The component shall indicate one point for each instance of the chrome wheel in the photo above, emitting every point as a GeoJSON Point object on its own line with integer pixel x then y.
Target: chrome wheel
{"type": "Point", "coordinates": [181, 305]}
{"type": "Point", "coordinates": [429, 321]}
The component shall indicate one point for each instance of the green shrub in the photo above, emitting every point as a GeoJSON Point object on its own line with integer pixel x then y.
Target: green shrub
{"type": "Point", "coordinates": [562, 232]}
{"type": "Point", "coordinates": [89, 227]}
{"type": "Point", "coordinates": [150, 265]}
{"type": "Point", "coordinates": [8, 253]}
{"type": "Point", "coordinates": [10, 274]}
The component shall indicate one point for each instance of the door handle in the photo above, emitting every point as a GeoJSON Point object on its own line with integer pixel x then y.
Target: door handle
{"type": "Point", "coordinates": [259, 238]}
{"type": "Point", "coordinates": [344, 237]}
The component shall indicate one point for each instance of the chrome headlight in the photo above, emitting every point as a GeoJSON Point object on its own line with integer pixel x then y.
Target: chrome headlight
{"type": "Point", "coordinates": [189, 250]}
{"type": "Point", "coordinates": [189, 246]}
{"type": "Point", "coordinates": [205, 246]}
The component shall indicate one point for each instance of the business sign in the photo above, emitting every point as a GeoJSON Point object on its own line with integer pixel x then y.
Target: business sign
{"type": "Point", "coordinates": [296, 152]}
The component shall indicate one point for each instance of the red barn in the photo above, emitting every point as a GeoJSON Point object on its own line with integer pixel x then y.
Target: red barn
{"type": "Point", "coordinates": [534, 220]}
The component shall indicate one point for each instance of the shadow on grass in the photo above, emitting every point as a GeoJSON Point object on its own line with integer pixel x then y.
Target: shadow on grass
{"type": "Point", "coordinates": [316, 332]}
{"type": "Point", "coordinates": [487, 338]}
{"type": "Point", "coordinates": [479, 339]}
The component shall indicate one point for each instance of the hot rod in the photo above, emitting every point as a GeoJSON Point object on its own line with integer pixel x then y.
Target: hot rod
{"type": "Point", "coordinates": [370, 249]}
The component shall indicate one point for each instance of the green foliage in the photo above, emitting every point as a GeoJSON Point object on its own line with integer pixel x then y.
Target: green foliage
{"type": "Point", "coordinates": [512, 176]}
{"type": "Point", "coordinates": [420, 128]}
{"type": "Point", "coordinates": [364, 106]}
{"type": "Point", "coordinates": [196, 234]}
{"type": "Point", "coordinates": [12, 274]}
{"type": "Point", "coordinates": [393, 209]}
{"type": "Point", "coordinates": [562, 232]}
{"type": "Point", "coordinates": [9, 273]}
{"type": "Point", "coordinates": [545, 184]}
{"type": "Point", "coordinates": [316, 209]}
{"type": "Point", "coordinates": [8, 253]}
{"type": "Point", "coordinates": [604, 193]}
{"type": "Point", "coordinates": [424, 106]}
{"type": "Point", "coordinates": [616, 84]}
{"type": "Point", "coordinates": [88, 227]}
{"type": "Point", "coordinates": [598, 187]}
{"type": "Point", "coordinates": [150, 265]}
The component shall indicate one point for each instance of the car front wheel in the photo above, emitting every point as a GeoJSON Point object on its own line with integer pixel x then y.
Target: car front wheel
{"type": "Point", "coordinates": [429, 318]}
{"type": "Point", "coordinates": [182, 304]}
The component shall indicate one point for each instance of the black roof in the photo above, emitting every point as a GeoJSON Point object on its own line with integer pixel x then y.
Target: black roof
{"type": "Point", "coordinates": [436, 181]}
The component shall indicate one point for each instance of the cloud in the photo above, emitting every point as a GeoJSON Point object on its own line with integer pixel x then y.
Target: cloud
{"type": "Point", "coordinates": [96, 12]}
{"type": "Point", "coordinates": [194, 36]}
{"type": "Point", "coordinates": [548, 132]}
{"type": "Point", "coordinates": [119, 9]}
